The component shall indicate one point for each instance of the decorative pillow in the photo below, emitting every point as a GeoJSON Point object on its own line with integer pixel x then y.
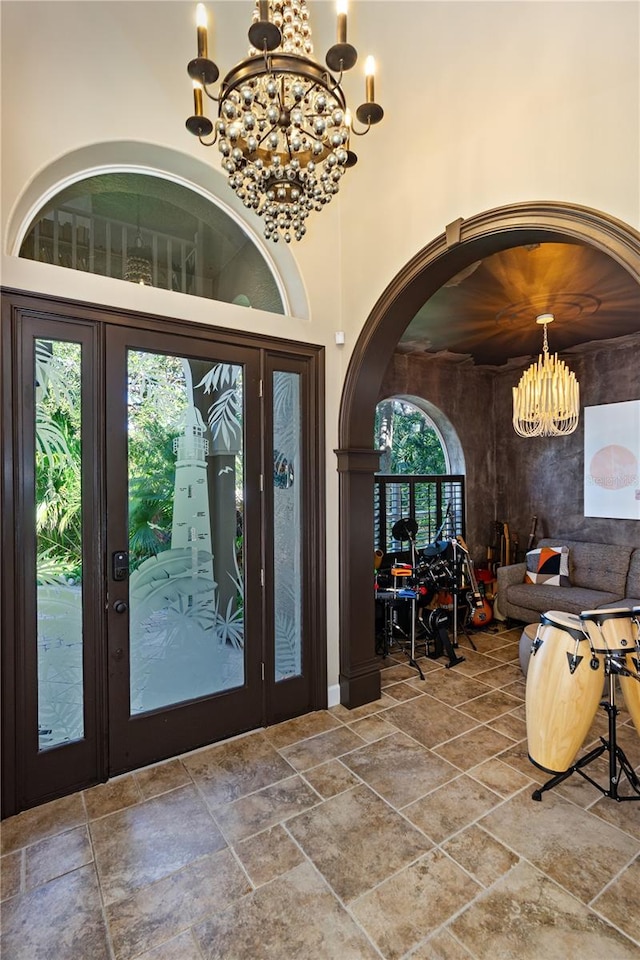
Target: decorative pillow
{"type": "Point", "coordinates": [548, 565]}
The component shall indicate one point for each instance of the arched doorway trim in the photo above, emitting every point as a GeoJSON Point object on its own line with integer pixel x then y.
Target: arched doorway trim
{"type": "Point", "coordinates": [463, 243]}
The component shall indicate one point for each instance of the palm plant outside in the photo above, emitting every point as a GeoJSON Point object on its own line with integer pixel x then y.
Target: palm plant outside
{"type": "Point", "coordinates": [408, 440]}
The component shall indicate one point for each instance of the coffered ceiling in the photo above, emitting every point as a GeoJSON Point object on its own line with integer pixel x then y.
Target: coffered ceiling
{"type": "Point", "coordinates": [486, 314]}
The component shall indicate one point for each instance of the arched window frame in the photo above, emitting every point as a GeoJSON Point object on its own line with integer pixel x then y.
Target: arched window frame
{"type": "Point", "coordinates": [162, 162]}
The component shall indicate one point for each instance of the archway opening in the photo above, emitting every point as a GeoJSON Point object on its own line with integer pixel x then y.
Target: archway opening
{"type": "Point", "coordinates": [463, 244]}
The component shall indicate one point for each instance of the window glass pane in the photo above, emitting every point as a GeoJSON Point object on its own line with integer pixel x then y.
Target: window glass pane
{"type": "Point", "coordinates": [287, 523]}
{"type": "Point", "coordinates": [58, 488]}
{"type": "Point", "coordinates": [186, 483]}
{"type": "Point", "coordinates": [152, 231]}
{"type": "Point", "coordinates": [409, 442]}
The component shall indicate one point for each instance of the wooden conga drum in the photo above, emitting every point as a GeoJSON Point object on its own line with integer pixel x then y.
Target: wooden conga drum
{"type": "Point", "coordinates": [563, 691]}
{"type": "Point", "coordinates": [616, 631]}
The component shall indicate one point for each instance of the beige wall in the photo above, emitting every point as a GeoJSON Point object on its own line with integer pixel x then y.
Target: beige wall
{"type": "Point", "coordinates": [486, 104]}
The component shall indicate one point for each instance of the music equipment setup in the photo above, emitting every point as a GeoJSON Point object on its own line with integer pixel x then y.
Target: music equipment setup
{"type": "Point", "coordinates": [574, 665]}
{"type": "Point", "coordinates": [426, 589]}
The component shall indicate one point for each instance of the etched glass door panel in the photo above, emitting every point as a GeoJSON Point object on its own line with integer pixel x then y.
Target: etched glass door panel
{"type": "Point", "coordinates": [185, 525]}
{"type": "Point", "coordinates": [58, 530]}
{"type": "Point", "coordinates": [53, 564]}
{"type": "Point", "coordinates": [287, 525]}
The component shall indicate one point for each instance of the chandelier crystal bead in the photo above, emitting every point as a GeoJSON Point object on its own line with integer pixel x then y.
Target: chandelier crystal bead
{"type": "Point", "coordinates": [546, 402]}
{"type": "Point", "coordinates": [283, 128]}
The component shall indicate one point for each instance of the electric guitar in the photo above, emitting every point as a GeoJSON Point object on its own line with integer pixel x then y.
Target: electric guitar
{"type": "Point", "coordinates": [532, 533]}
{"type": "Point", "coordinates": [506, 545]}
{"type": "Point", "coordinates": [481, 613]}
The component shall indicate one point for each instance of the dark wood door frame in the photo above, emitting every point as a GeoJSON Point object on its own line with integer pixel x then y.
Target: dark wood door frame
{"type": "Point", "coordinates": [463, 243]}
{"type": "Point", "coordinates": [17, 305]}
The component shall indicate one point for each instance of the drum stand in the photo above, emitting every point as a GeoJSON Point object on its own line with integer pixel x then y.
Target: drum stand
{"type": "Point", "coordinates": [406, 530]}
{"type": "Point", "coordinates": [457, 589]}
{"type": "Point", "coordinates": [389, 627]}
{"type": "Point", "coordinates": [613, 666]}
{"type": "Point", "coordinates": [412, 659]}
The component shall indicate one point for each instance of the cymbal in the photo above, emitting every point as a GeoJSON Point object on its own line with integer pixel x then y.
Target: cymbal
{"type": "Point", "coordinates": [404, 529]}
{"type": "Point", "coordinates": [435, 549]}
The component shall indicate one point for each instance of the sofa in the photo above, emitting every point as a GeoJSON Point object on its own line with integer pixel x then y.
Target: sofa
{"type": "Point", "coordinates": [600, 575]}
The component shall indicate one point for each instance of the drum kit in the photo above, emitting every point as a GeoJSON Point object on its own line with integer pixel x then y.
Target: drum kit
{"type": "Point", "coordinates": [429, 584]}
{"type": "Point", "coordinates": [574, 661]}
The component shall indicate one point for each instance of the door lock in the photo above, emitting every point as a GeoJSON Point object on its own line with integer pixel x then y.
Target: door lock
{"type": "Point", "coordinates": [118, 654]}
{"type": "Point", "coordinates": [120, 606]}
{"type": "Point", "coordinates": [120, 565]}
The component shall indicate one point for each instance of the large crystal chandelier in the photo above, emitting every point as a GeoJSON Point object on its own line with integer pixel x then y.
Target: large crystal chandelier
{"type": "Point", "coordinates": [546, 402]}
{"type": "Point", "coordinates": [283, 126]}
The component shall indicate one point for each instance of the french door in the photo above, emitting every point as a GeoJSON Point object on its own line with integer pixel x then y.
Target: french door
{"type": "Point", "coordinates": [166, 541]}
{"type": "Point", "coordinates": [183, 588]}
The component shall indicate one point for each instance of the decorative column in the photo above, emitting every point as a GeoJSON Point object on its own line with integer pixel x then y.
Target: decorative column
{"type": "Point", "coordinates": [359, 665]}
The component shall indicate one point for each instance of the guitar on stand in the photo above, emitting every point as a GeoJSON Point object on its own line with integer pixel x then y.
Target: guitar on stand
{"type": "Point", "coordinates": [505, 546]}
{"type": "Point", "coordinates": [504, 555]}
{"type": "Point", "coordinates": [532, 533]}
{"type": "Point", "coordinates": [481, 612]}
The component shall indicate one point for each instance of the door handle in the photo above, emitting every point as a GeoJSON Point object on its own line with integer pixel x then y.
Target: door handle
{"type": "Point", "coordinates": [120, 606]}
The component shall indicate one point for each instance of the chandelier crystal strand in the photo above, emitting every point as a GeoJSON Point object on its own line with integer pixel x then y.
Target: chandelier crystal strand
{"type": "Point", "coordinates": [546, 402]}
{"type": "Point", "coordinates": [283, 137]}
{"type": "Point", "coordinates": [282, 125]}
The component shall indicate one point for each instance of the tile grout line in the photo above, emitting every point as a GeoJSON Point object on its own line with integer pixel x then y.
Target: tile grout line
{"type": "Point", "coordinates": [333, 892]}
{"type": "Point", "coordinates": [103, 907]}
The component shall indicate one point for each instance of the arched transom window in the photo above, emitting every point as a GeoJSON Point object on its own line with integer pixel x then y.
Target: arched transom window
{"type": "Point", "coordinates": [150, 230]}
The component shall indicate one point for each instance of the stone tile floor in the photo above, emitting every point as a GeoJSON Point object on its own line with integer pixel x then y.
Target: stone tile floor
{"type": "Point", "coordinates": [402, 829]}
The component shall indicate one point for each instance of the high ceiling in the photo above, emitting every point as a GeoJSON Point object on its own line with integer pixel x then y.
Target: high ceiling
{"type": "Point", "coordinates": [487, 312]}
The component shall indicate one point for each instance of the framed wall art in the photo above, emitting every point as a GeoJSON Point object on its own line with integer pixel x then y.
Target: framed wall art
{"type": "Point", "coordinates": [612, 460]}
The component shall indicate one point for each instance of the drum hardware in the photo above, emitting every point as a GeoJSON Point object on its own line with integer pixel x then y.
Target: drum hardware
{"type": "Point", "coordinates": [457, 587]}
{"type": "Point", "coordinates": [390, 631]}
{"type": "Point", "coordinates": [439, 634]}
{"type": "Point", "coordinates": [575, 659]}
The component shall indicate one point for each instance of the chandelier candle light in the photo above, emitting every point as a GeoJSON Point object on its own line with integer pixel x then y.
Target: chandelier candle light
{"type": "Point", "coordinates": [546, 402]}
{"type": "Point", "coordinates": [283, 126]}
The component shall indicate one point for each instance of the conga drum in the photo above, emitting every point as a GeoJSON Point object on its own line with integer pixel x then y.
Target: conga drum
{"type": "Point", "coordinates": [563, 691]}
{"type": "Point", "coordinates": [616, 631]}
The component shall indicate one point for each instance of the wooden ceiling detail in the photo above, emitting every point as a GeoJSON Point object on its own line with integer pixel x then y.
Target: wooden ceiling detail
{"type": "Point", "coordinates": [488, 311]}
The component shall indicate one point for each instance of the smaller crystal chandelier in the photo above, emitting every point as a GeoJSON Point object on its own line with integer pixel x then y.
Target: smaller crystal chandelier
{"type": "Point", "coordinates": [138, 261]}
{"type": "Point", "coordinates": [546, 402]}
{"type": "Point", "coordinates": [283, 126]}
{"type": "Point", "coordinates": [138, 269]}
